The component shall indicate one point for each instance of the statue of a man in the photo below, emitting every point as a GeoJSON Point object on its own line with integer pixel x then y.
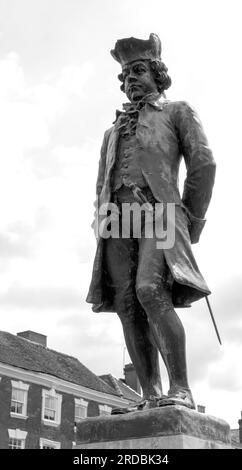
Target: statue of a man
{"type": "Point", "coordinates": [139, 163]}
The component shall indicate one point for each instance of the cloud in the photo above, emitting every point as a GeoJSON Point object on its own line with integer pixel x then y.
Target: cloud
{"type": "Point", "coordinates": [28, 112]}
{"type": "Point", "coordinates": [15, 243]}
{"type": "Point", "coordinates": [96, 339]}
{"type": "Point", "coordinates": [54, 94]}
{"type": "Point", "coordinates": [12, 81]}
{"type": "Point", "coordinates": [22, 126]}
{"type": "Point", "coordinates": [19, 239]}
{"type": "Point", "coordinates": [204, 354]}
{"type": "Point", "coordinates": [54, 107]}
{"type": "Point", "coordinates": [225, 374]}
{"type": "Point", "coordinates": [64, 161]}
{"type": "Point", "coordinates": [227, 303]}
{"type": "Point", "coordinates": [208, 362]}
{"type": "Point", "coordinates": [229, 298]}
{"type": "Point", "coordinates": [73, 78]}
{"type": "Point", "coordinates": [40, 297]}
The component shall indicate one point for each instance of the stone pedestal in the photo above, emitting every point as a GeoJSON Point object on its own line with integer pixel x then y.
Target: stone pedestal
{"type": "Point", "coordinates": [168, 427]}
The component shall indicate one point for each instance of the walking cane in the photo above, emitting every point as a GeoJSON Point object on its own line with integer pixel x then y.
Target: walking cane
{"type": "Point", "coordinates": [213, 320]}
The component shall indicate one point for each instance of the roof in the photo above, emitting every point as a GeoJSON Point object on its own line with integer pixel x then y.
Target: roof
{"type": "Point", "coordinates": [22, 353]}
{"type": "Point", "coordinates": [121, 388]}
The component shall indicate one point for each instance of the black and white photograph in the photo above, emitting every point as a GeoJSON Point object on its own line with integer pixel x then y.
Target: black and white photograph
{"type": "Point", "coordinates": [120, 228]}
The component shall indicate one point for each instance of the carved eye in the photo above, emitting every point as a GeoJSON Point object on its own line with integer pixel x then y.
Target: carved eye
{"type": "Point", "coordinates": [139, 69]}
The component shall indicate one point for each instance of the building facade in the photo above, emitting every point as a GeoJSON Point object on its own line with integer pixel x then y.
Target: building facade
{"type": "Point", "coordinates": [44, 394]}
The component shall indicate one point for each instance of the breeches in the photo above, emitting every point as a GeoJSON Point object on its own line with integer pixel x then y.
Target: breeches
{"type": "Point", "coordinates": [137, 274]}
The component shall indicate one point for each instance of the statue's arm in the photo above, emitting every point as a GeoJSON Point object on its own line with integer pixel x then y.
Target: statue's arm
{"type": "Point", "coordinates": [102, 163]}
{"type": "Point", "coordinates": [100, 180]}
{"type": "Point", "coordinates": [200, 167]}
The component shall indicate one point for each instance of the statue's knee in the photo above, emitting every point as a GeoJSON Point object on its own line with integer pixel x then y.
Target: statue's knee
{"type": "Point", "coordinates": [145, 292]}
{"type": "Point", "coordinates": [127, 316]}
{"type": "Point", "coordinates": [154, 298]}
{"type": "Point", "coordinates": [126, 305]}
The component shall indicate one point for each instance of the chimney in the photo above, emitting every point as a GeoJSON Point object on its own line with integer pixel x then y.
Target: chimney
{"type": "Point", "coordinates": [34, 337]}
{"type": "Point", "coordinates": [240, 429]}
{"type": "Point", "coordinates": [201, 408]}
{"type": "Point", "coordinates": [131, 378]}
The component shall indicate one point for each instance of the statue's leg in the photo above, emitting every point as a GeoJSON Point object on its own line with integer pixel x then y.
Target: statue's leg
{"type": "Point", "coordinates": [121, 259]}
{"type": "Point", "coordinates": [142, 351]}
{"type": "Point", "coordinates": [154, 294]}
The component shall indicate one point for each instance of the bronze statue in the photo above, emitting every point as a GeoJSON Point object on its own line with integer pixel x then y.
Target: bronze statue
{"type": "Point", "coordinates": [140, 158]}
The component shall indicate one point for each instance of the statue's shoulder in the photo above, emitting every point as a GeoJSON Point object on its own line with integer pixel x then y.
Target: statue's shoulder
{"type": "Point", "coordinates": [176, 105]}
{"type": "Point", "coordinates": [179, 111]}
{"type": "Point", "coordinates": [107, 134]}
{"type": "Point", "coordinates": [109, 130]}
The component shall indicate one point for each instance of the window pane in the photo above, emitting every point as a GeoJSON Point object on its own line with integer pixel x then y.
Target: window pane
{"type": "Point", "coordinates": [50, 402]}
{"type": "Point", "coordinates": [50, 408]}
{"type": "Point", "coordinates": [50, 414]}
{"type": "Point", "coordinates": [16, 407]}
{"type": "Point", "coordinates": [13, 407]}
{"type": "Point", "coordinates": [17, 402]}
{"type": "Point", "coordinates": [19, 408]}
{"type": "Point", "coordinates": [14, 394]}
{"type": "Point", "coordinates": [80, 411]}
{"type": "Point", "coordinates": [18, 395]}
{"type": "Point", "coordinates": [15, 444]}
{"type": "Point", "coordinates": [104, 413]}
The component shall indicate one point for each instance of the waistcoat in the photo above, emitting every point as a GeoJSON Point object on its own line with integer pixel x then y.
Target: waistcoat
{"type": "Point", "coordinates": [127, 167]}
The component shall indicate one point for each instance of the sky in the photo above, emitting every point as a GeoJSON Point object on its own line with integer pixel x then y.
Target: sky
{"type": "Point", "coordinates": [58, 94]}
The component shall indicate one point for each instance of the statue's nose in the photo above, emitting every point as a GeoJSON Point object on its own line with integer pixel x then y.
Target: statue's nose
{"type": "Point", "coordinates": [132, 78]}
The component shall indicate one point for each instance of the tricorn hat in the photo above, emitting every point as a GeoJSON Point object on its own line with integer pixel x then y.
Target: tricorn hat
{"type": "Point", "coordinates": [130, 49]}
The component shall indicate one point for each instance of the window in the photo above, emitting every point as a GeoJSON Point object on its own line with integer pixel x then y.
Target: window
{"type": "Point", "coordinates": [16, 444]}
{"type": "Point", "coordinates": [19, 399]}
{"type": "Point", "coordinates": [104, 410]}
{"type": "Point", "coordinates": [47, 444]}
{"type": "Point", "coordinates": [16, 439]}
{"type": "Point", "coordinates": [80, 409]}
{"type": "Point", "coordinates": [51, 407]}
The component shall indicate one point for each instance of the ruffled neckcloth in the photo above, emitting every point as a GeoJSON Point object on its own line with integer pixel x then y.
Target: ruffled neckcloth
{"type": "Point", "coordinates": [126, 120]}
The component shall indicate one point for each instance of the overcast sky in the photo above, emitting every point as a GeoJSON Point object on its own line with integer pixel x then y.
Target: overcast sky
{"type": "Point", "coordinates": [58, 94]}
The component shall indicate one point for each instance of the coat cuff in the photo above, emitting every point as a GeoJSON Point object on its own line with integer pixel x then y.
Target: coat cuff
{"type": "Point", "coordinates": [195, 227]}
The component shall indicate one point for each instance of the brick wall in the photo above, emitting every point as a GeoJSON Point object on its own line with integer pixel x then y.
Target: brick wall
{"type": "Point", "coordinates": [33, 425]}
{"type": "Point", "coordinates": [92, 409]}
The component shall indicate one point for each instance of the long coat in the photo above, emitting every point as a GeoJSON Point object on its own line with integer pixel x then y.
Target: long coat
{"type": "Point", "coordinates": [166, 132]}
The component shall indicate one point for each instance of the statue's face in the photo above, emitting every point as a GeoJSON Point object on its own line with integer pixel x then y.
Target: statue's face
{"type": "Point", "coordinates": [138, 80]}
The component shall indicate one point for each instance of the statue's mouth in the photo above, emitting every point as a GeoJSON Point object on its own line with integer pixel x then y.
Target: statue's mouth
{"type": "Point", "coordinates": [135, 88]}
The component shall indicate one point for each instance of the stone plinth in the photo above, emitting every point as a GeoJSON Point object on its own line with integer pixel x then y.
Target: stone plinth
{"type": "Point", "coordinates": [168, 427]}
